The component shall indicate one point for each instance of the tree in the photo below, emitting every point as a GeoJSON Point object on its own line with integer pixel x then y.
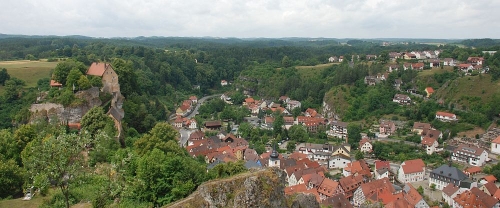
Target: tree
{"type": "Point", "coordinates": [286, 62]}
{"type": "Point", "coordinates": [359, 155]}
{"type": "Point", "coordinates": [73, 77]}
{"type": "Point", "coordinates": [11, 178]}
{"type": "Point", "coordinates": [420, 190]}
{"type": "Point", "coordinates": [278, 123]}
{"type": "Point", "coordinates": [245, 129]}
{"type": "Point", "coordinates": [8, 146]}
{"type": "Point", "coordinates": [384, 57]}
{"type": "Point", "coordinates": [55, 159]}
{"type": "Point", "coordinates": [84, 82]}
{"type": "Point", "coordinates": [354, 134]}
{"type": "Point", "coordinates": [24, 135]}
{"type": "Point", "coordinates": [4, 76]}
{"type": "Point", "coordinates": [63, 69]}
{"type": "Point", "coordinates": [298, 133]}
{"type": "Point", "coordinates": [290, 146]}
{"type": "Point", "coordinates": [13, 88]}
{"type": "Point", "coordinates": [161, 137]}
{"type": "Point", "coordinates": [95, 119]}
{"type": "Point", "coordinates": [433, 187]}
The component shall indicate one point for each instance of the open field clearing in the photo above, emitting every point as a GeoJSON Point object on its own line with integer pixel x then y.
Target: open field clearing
{"type": "Point", "coordinates": [29, 71]}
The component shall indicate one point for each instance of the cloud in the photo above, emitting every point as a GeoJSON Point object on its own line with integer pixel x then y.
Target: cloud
{"type": "Point", "coordinates": [259, 18]}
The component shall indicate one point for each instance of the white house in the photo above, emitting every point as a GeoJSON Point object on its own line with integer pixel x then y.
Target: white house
{"type": "Point", "coordinates": [445, 175]}
{"type": "Point", "coordinates": [495, 146]}
{"type": "Point", "coordinates": [192, 124]}
{"type": "Point", "coordinates": [450, 191]}
{"type": "Point", "coordinates": [445, 116]}
{"type": "Point", "coordinates": [413, 197]}
{"type": "Point", "coordinates": [338, 161]}
{"type": "Point", "coordinates": [402, 99]}
{"type": "Point", "coordinates": [449, 62]}
{"type": "Point", "coordinates": [338, 129]}
{"type": "Point", "coordinates": [292, 104]}
{"type": "Point", "coordinates": [365, 145]}
{"type": "Point", "coordinates": [223, 83]}
{"type": "Point", "coordinates": [411, 171]}
{"type": "Point", "coordinates": [429, 144]}
{"type": "Point", "coordinates": [470, 154]}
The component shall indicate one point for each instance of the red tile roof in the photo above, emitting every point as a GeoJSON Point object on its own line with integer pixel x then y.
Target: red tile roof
{"type": "Point", "coordinates": [363, 141]}
{"type": "Point", "coordinates": [445, 114]}
{"type": "Point", "coordinates": [450, 189]}
{"type": "Point", "coordinates": [490, 178]}
{"type": "Point", "coordinates": [382, 164]}
{"type": "Point", "coordinates": [411, 195]}
{"type": "Point", "coordinates": [473, 170]}
{"type": "Point", "coordinates": [249, 100]}
{"type": "Point", "coordinates": [497, 140]}
{"type": "Point", "coordinates": [97, 69]}
{"type": "Point", "coordinates": [53, 83]}
{"type": "Point", "coordinates": [491, 187]}
{"type": "Point", "coordinates": [328, 187]}
{"type": "Point", "coordinates": [413, 166]}
{"type": "Point", "coordinates": [429, 90]}
{"type": "Point", "coordinates": [297, 156]}
{"type": "Point", "coordinates": [428, 141]}
{"type": "Point", "coordinates": [295, 189]}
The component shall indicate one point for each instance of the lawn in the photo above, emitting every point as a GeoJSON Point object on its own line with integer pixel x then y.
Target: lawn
{"type": "Point", "coordinates": [29, 71]}
{"type": "Point", "coordinates": [433, 71]}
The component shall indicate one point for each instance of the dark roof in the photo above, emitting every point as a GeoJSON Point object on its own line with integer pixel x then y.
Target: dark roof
{"type": "Point", "coordinates": [274, 154]}
{"type": "Point", "coordinates": [448, 171]}
{"type": "Point", "coordinates": [337, 200]}
{"type": "Point", "coordinates": [115, 113]}
{"type": "Point", "coordinates": [213, 124]}
{"type": "Point", "coordinates": [251, 164]}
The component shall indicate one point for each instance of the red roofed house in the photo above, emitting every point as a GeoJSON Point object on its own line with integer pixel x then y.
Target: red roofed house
{"type": "Point", "coordinates": [249, 101]}
{"type": "Point", "coordinates": [53, 83]}
{"type": "Point", "coordinates": [413, 197]}
{"type": "Point", "coordinates": [445, 116]}
{"type": "Point", "coordinates": [359, 167]}
{"type": "Point", "coordinates": [311, 112]}
{"type": "Point", "coordinates": [472, 171]}
{"type": "Point", "coordinates": [475, 60]}
{"type": "Point", "coordinates": [417, 66]}
{"type": "Point", "coordinates": [411, 171]}
{"type": "Point", "coordinates": [107, 73]}
{"type": "Point", "coordinates": [382, 169]}
{"type": "Point", "coordinates": [475, 198]}
{"type": "Point", "coordinates": [495, 146]}
{"type": "Point", "coordinates": [328, 188]}
{"type": "Point", "coordinates": [365, 145]}
{"type": "Point", "coordinates": [429, 91]}
{"type": "Point", "coordinates": [178, 122]}
{"type": "Point", "coordinates": [430, 144]}
{"type": "Point", "coordinates": [193, 99]}
{"type": "Point", "coordinates": [450, 192]}
{"type": "Point", "coordinates": [465, 67]}
{"type": "Point", "coordinates": [372, 191]}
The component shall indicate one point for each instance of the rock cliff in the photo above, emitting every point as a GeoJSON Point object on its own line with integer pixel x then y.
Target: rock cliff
{"type": "Point", "coordinates": [261, 188]}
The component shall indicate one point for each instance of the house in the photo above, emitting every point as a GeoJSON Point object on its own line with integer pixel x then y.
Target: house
{"type": "Point", "coordinates": [213, 125]}
{"type": "Point", "coordinates": [329, 188]}
{"type": "Point", "coordinates": [393, 67]}
{"type": "Point", "coordinates": [341, 58]}
{"type": "Point", "coordinates": [370, 80]}
{"type": "Point", "coordinates": [488, 179]}
{"type": "Point", "coordinates": [465, 67]}
{"type": "Point", "coordinates": [108, 75]}
{"type": "Point", "coordinates": [343, 149]}
{"type": "Point", "coordinates": [193, 99]}
{"type": "Point", "coordinates": [54, 83]}
{"type": "Point", "coordinates": [249, 101]}
{"type": "Point", "coordinates": [338, 129]}
{"type": "Point", "coordinates": [413, 197]}
{"type": "Point", "coordinates": [338, 161]}
{"type": "Point", "coordinates": [429, 144]}
{"type": "Point", "coordinates": [365, 145]}
{"type": "Point", "coordinates": [409, 56]}
{"type": "Point", "coordinates": [411, 171]}
{"type": "Point", "coordinates": [432, 133]}
{"type": "Point", "coordinates": [402, 99]}
{"type": "Point", "coordinates": [475, 198]}
{"type": "Point", "coordinates": [429, 91]}
{"type": "Point", "coordinates": [495, 146]}
{"type": "Point", "coordinates": [446, 174]}
{"type": "Point", "coordinates": [351, 183]}
{"type": "Point", "coordinates": [387, 127]}
{"type": "Point", "coordinates": [292, 104]}
{"type": "Point", "coordinates": [382, 170]}
{"type": "Point", "coordinates": [450, 192]}
{"type": "Point", "coordinates": [449, 62]}
{"type": "Point", "coordinates": [358, 167]}
{"type": "Point", "coordinates": [420, 127]}
{"type": "Point", "coordinates": [417, 66]}
{"type": "Point", "coordinates": [394, 55]}
{"type": "Point", "coordinates": [445, 116]}
{"type": "Point", "coordinates": [489, 188]}
{"type": "Point", "coordinates": [182, 110]}
{"type": "Point", "coordinates": [178, 122]}
{"type": "Point", "coordinates": [338, 200]}
{"type": "Point", "coordinates": [284, 99]}
{"type": "Point", "coordinates": [191, 124]}
{"type": "Point", "coordinates": [223, 83]}
{"type": "Point", "coordinates": [472, 170]}
{"type": "Point", "coordinates": [310, 112]}
{"type": "Point", "coordinates": [368, 190]}
{"type": "Point", "coordinates": [475, 60]}
{"type": "Point", "coordinates": [333, 59]}
{"type": "Point", "coordinates": [397, 84]}
{"type": "Point", "coordinates": [433, 63]}
{"type": "Point", "coordinates": [406, 66]}
{"type": "Point", "coordinates": [470, 154]}
{"type": "Point", "coordinates": [371, 57]}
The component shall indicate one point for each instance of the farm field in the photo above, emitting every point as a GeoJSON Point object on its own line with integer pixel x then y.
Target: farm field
{"type": "Point", "coordinates": [29, 71]}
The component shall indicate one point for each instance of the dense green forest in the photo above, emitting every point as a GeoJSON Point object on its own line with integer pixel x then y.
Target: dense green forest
{"type": "Point", "coordinates": [156, 74]}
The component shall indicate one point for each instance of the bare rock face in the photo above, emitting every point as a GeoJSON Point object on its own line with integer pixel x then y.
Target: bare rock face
{"type": "Point", "coordinates": [262, 188]}
{"type": "Point", "coordinates": [53, 112]}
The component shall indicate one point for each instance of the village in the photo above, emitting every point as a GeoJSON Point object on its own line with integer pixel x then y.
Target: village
{"type": "Point", "coordinates": [333, 171]}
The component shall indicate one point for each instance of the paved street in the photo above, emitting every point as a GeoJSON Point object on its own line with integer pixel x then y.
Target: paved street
{"type": "Point", "coordinates": [184, 136]}
{"type": "Point", "coordinates": [195, 110]}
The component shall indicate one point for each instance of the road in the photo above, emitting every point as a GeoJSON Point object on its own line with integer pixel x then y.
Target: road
{"type": "Point", "coordinates": [184, 136]}
{"type": "Point", "coordinates": [195, 110]}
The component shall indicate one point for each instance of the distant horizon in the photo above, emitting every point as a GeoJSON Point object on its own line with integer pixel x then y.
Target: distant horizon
{"type": "Point", "coordinates": [262, 37]}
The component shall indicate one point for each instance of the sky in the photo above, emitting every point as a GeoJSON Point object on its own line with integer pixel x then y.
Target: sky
{"type": "Point", "coordinates": [439, 19]}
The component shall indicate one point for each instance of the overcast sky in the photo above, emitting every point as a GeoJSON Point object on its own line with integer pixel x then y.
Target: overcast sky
{"type": "Point", "coordinates": [254, 18]}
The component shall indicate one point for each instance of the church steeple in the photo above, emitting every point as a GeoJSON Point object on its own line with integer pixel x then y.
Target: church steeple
{"type": "Point", "coordinates": [274, 160]}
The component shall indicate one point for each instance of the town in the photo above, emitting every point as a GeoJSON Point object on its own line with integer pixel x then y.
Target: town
{"type": "Point", "coordinates": [352, 168]}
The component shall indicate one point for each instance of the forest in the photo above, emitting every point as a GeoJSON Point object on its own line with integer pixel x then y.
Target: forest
{"type": "Point", "coordinates": [156, 74]}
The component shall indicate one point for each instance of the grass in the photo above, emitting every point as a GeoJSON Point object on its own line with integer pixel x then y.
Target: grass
{"type": "Point", "coordinates": [466, 87]}
{"type": "Point", "coordinates": [35, 202]}
{"type": "Point", "coordinates": [29, 71]}
{"type": "Point", "coordinates": [311, 71]}
{"type": "Point", "coordinates": [431, 72]}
